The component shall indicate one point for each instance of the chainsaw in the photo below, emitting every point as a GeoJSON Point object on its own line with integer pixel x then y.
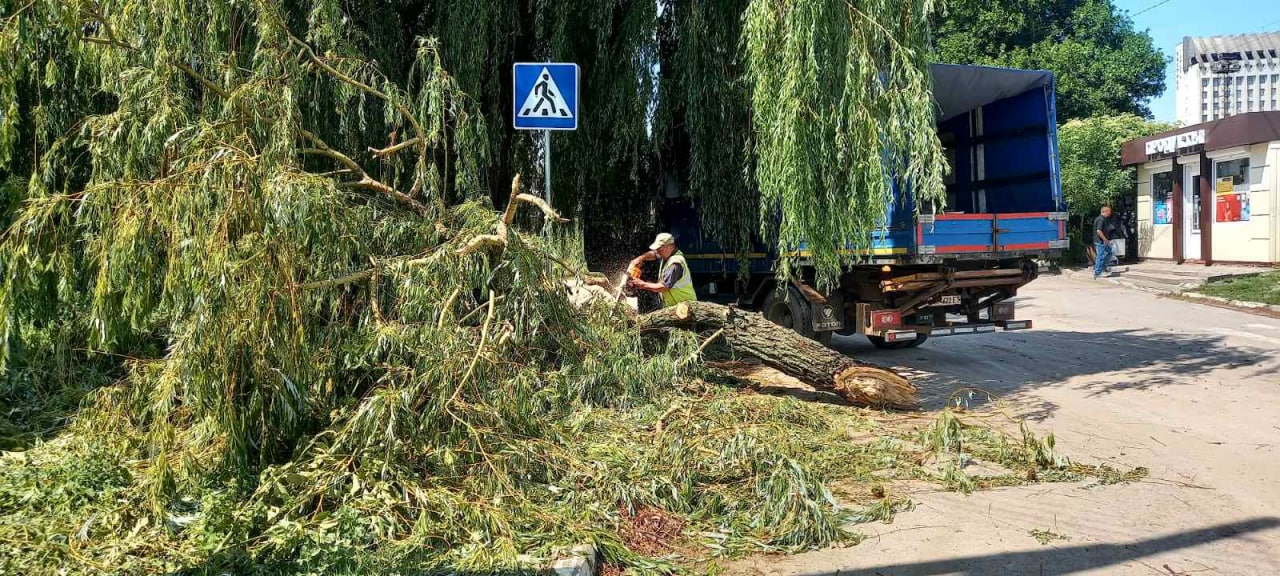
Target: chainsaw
{"type": "Point", "coordinates": [633, 273]}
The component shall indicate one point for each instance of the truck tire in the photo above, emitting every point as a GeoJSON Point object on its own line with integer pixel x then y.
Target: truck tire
{"type": "Point", "coordinates": [795, 313]}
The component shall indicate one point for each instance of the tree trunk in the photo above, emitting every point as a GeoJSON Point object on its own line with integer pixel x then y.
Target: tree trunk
{"type": "Point", "coordinates": [751, 334]}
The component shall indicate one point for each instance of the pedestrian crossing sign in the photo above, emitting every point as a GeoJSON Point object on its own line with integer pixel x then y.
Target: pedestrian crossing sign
{"type": "Point", "coordinates": [545, 96]}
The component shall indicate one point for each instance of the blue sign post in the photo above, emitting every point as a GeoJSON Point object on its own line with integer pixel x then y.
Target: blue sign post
{"type": "Point", "coordinates": [545, 98]}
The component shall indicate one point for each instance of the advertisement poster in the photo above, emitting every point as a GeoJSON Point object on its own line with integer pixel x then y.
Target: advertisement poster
{"type": "Point", "coordinates": [1163, 214]}
{"type": "Point", "coordinates": [1233, 208]}
{"type": "Point", "coordinates": [1161, 194]}
{"type": "Point", "coordinates": [1226, 185]}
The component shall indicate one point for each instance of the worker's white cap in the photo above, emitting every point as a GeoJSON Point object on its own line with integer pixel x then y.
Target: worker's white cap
{"type": "Point", "coordinates": [663, 239]}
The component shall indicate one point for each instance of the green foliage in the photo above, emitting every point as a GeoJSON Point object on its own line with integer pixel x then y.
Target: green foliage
{"type": "Point", "coordinates": [841, 93]}
{"type": "Point", "coordinates": [1089, 154]}
{"type": "Point", "coordinates": [703, 117]}
{"type": "Point", "coordinates": [955, 444]}
{"type": "Point", "coordinates": [1046, 537]}
{"type": "Point", "coordinates": [1103, 66]}
{"type": "Point", "coordinates": [251, 254]}
{"type": "Point", "coordinates": [746, 472]}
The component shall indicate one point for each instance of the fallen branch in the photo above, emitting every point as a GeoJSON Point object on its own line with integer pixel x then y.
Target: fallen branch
{"type": "Point", "coordinates": [509, 214]}
{"type": "Point", "coordinates": [410, 261]}
{"type": "Point", "coordinates": [320, 62]}
{"type": "Point", "coordinates": [498, 240]}
{"type": "Point", "coordinates": [542, 205]}
{"type": "Point", "coordinates": [488, 242]}
{"type": "Point", "coordinates": [751, 334]}
{"type": "Point", "coordinates": [365, 181]}
{"type": "Point", "coordinates": [389, 150]}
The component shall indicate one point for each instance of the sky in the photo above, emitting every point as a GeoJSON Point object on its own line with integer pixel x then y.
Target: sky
{"type": "Point", "coordinates": [1169, 20]}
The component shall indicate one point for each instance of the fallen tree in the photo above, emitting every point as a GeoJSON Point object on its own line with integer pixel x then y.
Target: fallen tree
{"type": "Point", "coordinates": [324, 343]}
{"type": "Point", "coordinates": [750, 334]}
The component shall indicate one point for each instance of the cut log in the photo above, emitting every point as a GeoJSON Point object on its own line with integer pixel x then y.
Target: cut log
{"type": "Point", "coordinates": [751, 334]}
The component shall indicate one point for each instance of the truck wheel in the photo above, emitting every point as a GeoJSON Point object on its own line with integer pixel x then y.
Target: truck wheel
{"type": "Point", "coordinates": [794, 313]}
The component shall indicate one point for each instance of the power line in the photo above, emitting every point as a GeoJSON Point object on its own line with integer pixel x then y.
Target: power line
{"type": "Point", "coordinates": [1150, 8]}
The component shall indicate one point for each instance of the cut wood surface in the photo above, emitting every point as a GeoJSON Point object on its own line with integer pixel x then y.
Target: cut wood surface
{"type": "Point", "coordinates": [751, 334]}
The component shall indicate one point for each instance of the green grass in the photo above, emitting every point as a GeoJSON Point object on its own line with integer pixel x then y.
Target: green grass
{"type": "Point", "coordinates": [1260, 288]}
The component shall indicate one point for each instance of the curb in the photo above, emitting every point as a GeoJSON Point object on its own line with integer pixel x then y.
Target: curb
{"type": "Point", "coordinates": [583, 562]}
{"type": "Point", "coordinates": [1181, 291]}
{"type": "Point", "coordinates": [1236, 303]}
{"type": "Point", "coordinates": [1084, 276]}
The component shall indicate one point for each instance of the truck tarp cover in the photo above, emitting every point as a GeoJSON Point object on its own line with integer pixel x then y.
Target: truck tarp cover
{"type": "Point", "coordinates": [958, 89]}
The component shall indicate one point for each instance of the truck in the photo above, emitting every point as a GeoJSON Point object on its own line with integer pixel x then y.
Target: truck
{"type": "Point", "coordinates": [926, 273]}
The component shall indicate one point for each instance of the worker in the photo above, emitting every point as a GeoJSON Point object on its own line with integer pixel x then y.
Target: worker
{"type": "Point", "coordinates": [674, 285]}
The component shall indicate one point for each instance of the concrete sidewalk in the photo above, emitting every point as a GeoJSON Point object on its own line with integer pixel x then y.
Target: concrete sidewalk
{"type": "Point", "coordinates": [1189, 391]}
{"type": "Point", "coordinates": [1165, 277]}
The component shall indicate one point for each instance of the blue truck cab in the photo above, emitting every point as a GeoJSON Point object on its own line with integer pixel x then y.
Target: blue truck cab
{"type": "Point", "coordinates": [927, 272]}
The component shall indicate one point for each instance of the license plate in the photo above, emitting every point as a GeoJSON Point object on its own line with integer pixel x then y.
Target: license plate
{"type": "Point", "coordinates": [948, 300]}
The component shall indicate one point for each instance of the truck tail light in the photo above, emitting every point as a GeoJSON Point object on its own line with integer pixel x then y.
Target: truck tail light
{"type": "Point", "coordinates": [882, 319]}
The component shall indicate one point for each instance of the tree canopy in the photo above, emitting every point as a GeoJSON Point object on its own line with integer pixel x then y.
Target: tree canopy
{"type": "Point", "coordinates": [1092, 176]}
{"type": "Point", "coordinates": [1090, 155]}
{"type": "Point", "coordinates": [1103, 65]}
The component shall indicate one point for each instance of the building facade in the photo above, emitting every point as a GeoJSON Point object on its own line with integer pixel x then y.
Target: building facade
{"type": "Point", "coordinates": [1218, 76]}
{"type": "Point", "coordinates": [1210, 192]}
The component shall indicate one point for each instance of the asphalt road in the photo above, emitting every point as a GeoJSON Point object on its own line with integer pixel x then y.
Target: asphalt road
{"type": "Point", "coordinates": [1189, 391]}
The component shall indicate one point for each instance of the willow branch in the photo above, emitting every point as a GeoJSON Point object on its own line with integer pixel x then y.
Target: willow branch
{"type": "Point", "coordinates": [420, 140]}
{"type": "Point", "coordinates": [321, 149]}
{"type": "Point", "coordinates": [547, 210]}
{"type": "Point", "coordinates": [207, 83]}
{"type": "Point", "coordinates": [340, 157]}
{"type": "Point", "coordinates": [404, 110]}
{"type": "Point", "coordinates": [389, 150]}
{"type": "Point", "coordinates": [509, 214]}
{"type": "Point", "coordinates": [101, 18]}
{"type": "Point", "coordinates": [363, 275]}
{"type": "Point", "coordinates": [492, 242]}
{"type": "Point", "coordinates": [366, 181]}
{"type": "Point", "coordinates": [14, 16]}
{"type": "Point", "coordinates": [497, 240]}
{"type": "Point", "coordinates": [484, 338]}
{"type": "Point", "coordinates": [106, 42]}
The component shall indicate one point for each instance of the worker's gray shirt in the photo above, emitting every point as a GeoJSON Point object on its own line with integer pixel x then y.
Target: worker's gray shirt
{"type": "Point", "coordinates": [674, 273]}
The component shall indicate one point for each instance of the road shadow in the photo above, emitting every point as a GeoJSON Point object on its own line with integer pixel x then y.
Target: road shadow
{"type": "Point", "coordinates": [1003, 364]}
{"type": "Point", "coordinates": [1052, 560]}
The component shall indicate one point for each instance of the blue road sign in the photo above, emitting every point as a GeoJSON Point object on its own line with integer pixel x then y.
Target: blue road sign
{"type": "Point", "coordinates": [545, 96]}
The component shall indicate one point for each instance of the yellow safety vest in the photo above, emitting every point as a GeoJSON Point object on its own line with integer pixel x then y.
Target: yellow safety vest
{"type": "Point", "coordinates": [683, 289]}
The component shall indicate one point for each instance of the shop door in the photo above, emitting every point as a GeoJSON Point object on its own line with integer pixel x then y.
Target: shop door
{"type": "Point", "coordinates": [1191, 212]}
